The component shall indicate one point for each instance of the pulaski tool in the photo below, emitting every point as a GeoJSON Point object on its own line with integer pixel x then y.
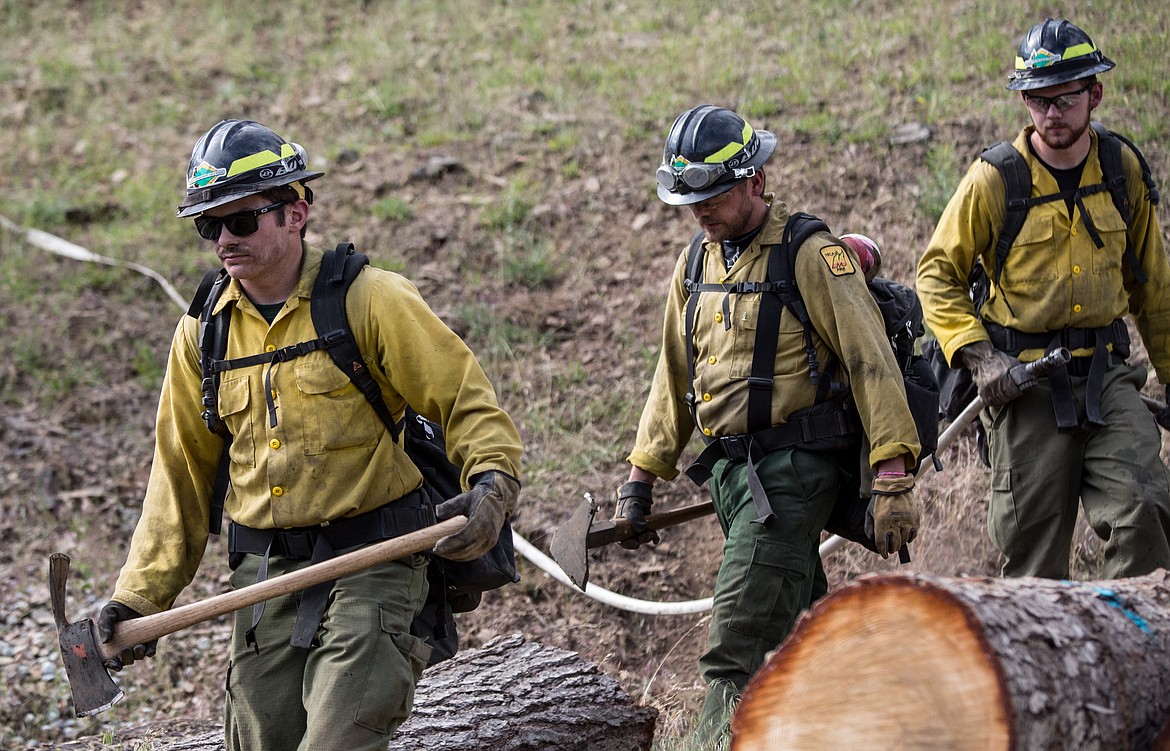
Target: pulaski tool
{"type": "Point", "coordinates": [85, 656]}
{"type": "Point", "coordinates": [571, 542]}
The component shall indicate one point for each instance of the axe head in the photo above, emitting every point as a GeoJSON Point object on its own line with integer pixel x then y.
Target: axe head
{"type": "Point", "coordinates": [93, 689]}
{"type": "Point", "coordinates": [569, 546]}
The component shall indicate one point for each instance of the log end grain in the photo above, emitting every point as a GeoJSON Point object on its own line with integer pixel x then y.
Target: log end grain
{"type": "Point", "coordinates": [887, 663]}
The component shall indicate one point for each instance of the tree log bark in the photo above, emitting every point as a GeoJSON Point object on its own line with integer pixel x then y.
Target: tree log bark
{"type": "Point", "coordinates": [920, 662]}
{"type": "Point", "coordinates": [509, 694]}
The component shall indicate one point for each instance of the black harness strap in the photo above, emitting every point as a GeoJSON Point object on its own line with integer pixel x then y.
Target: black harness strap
{"type": "Point", "coordinates": [1109, 152]}
{"type": "Point", "coordinates": [777, 291]}
{"type": "Point", "coordinates": [213, 346]}
{"type": "Point", "coordinates": [327, 307]}
{"type": "Point", "coordinates": [1018, 185]}
{"type": "Point", "coordinates": [338, 270]}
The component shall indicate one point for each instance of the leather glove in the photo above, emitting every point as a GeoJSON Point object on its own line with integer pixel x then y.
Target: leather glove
{"type": "Point", "coordinates": [992, 371]}
{"type": "Point", "coordinates": [1162, 416]}
{"type": "Point", "coordinates": [892, 518]}
{"type": "Point", "coordinates": [111, 614]}
{"type": "Point", "coordinates": [489, 502]}
{"type": "Point", "coordinates": [634, 500]}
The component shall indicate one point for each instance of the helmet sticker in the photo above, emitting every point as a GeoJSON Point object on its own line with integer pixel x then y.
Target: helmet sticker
{"type": "Point", "coordinates": [1042, 58]}
{"type": "Point", "coordinates": [838, 261]}
{"type": "Point", "coordinates": [205, 174]}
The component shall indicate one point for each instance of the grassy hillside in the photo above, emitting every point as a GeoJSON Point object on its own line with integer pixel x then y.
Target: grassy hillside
{"type": "Point", "coordinates": [501, 155]}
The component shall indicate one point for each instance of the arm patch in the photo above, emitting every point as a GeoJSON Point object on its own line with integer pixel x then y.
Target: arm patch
{"type": "Point", "coordinates": [838, 260]}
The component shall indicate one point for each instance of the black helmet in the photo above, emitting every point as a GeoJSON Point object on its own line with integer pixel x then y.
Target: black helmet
{"type": "Point", "coordinates": [1055, 52]}
{"type": "Point", "coordinates": [238, 158]}
{"type": "Point", "coordinates": [708, 151]}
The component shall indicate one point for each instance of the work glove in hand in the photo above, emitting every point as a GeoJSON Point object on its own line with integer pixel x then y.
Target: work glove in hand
{"type": "Point", "coordinates": [111, 614]}
{"type": "Point", "coordinates": [1162, 416]}
{"type": "Point", "coordinates": [634, 499]}
{"type": "Point", "coordinates": [892, 518]}
{"type": "Point", "coordinates": [489, 502]}
{"type": "Point", "coordinates": [992, 373]}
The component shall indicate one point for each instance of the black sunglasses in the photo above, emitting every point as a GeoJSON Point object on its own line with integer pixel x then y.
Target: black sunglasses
{"type": "Point", "coordinates": [240, 224]}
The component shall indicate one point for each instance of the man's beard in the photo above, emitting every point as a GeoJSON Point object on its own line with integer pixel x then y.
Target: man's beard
{"type": "Point", "coordinates": [1066, 138]}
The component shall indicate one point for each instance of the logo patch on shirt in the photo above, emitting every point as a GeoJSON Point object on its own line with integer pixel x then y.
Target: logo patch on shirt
{"type": "Point", "coordinates": [838, 261]}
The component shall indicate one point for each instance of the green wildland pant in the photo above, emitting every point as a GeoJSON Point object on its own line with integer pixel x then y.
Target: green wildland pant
{"type": "Point", "coordinates": [1039, 473]}
{"type": "Point", "coordinates": [770, 573]}
{"type": "Point", "coordinates": [353, 688]}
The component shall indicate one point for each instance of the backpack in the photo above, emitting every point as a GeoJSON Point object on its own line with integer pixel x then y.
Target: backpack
{"type": "Point", "coordinates": [957, 389]}
{"type": "Point", "coordinates": [455, 586]}
{"type": "Point", "coordinates": [901, 312]}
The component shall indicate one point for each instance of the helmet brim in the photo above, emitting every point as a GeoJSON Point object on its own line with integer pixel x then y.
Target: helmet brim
{"type": "Point", "coordinates": [767, 146]}
{"type": "Point", "coordinates": [1039, 78]}
{"type": "Point", "coordinates": [208, 198]}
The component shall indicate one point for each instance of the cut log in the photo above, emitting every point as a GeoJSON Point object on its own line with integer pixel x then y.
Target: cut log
{"type": "Point", "coordinates": [920, 662]}
{"type": "Point", "coordinates": [509, 694]}
{"type": "Point", "coordinates": [512, 694]}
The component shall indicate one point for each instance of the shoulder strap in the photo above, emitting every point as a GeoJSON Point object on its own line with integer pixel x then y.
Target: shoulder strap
{"type": "Point", "coordinates": [782, 274]}
{"type": "Point", "coordinates": [696, 255]}
{"type": "Point", "coordinates": [1109, 152]}
{"type": "Point", "coordinates": [1017, 181]}
{"type": "Point", "coordinates": [338, 270]}
{"type": "Point", "coordinates": [213, 336]}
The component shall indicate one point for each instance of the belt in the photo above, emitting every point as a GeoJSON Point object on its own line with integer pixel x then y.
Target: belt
{"type": "Point", "coordinates": [827, 426]}
{"type": "Point", "coordinates": [318, 543]}
{"type": "Point", "coordinates": [1110, 345]}
{"type": "Point", "coordinates": [400, 517]}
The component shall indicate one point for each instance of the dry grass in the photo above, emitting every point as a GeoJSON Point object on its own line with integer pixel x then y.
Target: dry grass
{"type": "Point", "coordinates": [543, 245]}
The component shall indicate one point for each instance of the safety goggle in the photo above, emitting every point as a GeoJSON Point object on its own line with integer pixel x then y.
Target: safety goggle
{"type": "Point", "coordinates": [240, 224]}
{"type": "Point", "coordinates": [680, 173]}
{"type": "Point", "coordinates": [1063, 102]}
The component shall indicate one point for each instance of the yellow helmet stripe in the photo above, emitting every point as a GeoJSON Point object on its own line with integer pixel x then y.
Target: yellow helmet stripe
{"type": "Point", "coordinates": [1079, 50]}
{"type": "Point", "coordinates": [259, 159]}
{"type": "Point", "coordinates": [732, 148]}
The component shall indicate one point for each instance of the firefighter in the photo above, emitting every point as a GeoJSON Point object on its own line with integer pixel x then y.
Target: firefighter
{"type": "Point", "coordinates": [773, 487]}
{"type": "Point", "coordinates": [1077, 268]}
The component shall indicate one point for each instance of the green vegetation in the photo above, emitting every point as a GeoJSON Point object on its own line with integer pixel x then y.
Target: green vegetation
{"type": "Point", "coordinates": [545, 246]}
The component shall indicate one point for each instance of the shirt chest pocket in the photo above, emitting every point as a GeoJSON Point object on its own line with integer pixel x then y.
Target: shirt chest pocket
{"type": "Point", "coordinates": [1032, 258]}
{"type": "Point", "coordinates": [1111, 227]}
{"type": "Point", "coordinates": [234, 398]}
{"type": "Point", "coordinates": [745, 314]}
{"type": "Point", "coordinates": [333, 413]}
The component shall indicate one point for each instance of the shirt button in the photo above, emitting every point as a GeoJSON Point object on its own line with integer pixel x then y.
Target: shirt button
{"type": "Point", "coordinates": [270, 348]}
{"type": "Point", "coordinates": [706, 397]}
{"type": "Point", "coordinates": [712, 360]}
{"type": "Point", "coordinates": [274, 443]}
{"type": "Point", "coordinates": [706, 431]}
{"type": "Point", "coordinates": [718, 318]}
{"type": "Point", "coordinates": [273, 393]}
{"type": "Point", "coordinates": [1077, 308]}
{"type": "Point", "coordinates": [1074, 231]}
{"type": "Point", "coordinates": [1076, 269]}
{"type": "Point", "coordinates": [278, 491]}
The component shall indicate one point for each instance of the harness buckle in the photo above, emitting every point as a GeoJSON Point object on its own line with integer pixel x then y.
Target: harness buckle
{"type": "Point", "coordinates": [295, 544]}
{"type": "Point", "coordinates": [735, 447]}
{"type": "Point", "coordinates": [760, 382]}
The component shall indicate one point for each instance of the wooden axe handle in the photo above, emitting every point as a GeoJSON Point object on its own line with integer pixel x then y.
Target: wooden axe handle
{"type": "Point", "coordinates": [616, 530]}
{"type": "Point", "coordinates": [150, 627]}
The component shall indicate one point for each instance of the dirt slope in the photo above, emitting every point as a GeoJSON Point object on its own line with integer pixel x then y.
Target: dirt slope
{"type": "Point", "coordinates": [74, 466]}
